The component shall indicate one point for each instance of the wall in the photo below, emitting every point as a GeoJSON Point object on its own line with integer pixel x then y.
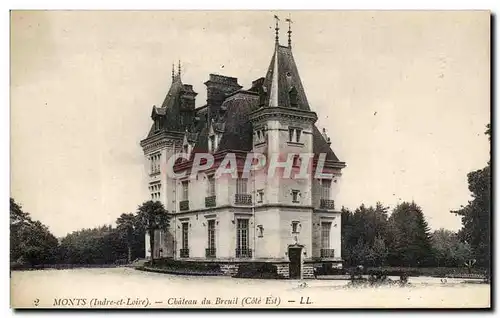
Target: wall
{"type": "Point", "coordinates": [335, 232]}
{"type": "Point", "coordinates": [268, 246]}
{"type": "Point", "coordinates": [303, 216]}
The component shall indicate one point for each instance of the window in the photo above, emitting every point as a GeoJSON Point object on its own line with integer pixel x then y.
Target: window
{"type": "Point", "coordinates": [186, 148]}
{"type": "Point", "coordinates": [260, 196]}
{"type": "Point", "coordinates": [185, 235]}
{"type": "Point", "coordinates": [260, 230]}
{"type": "Point", "coordinates": [157, 124]}
{"type": "Point", "coordinates": [211, 186]}
{"type": "Point", "coordinates": [297, 135]}
{"type": "Point", "coordinates": [325, 234]}
{"type": "Point", "coordinates": [211, 234]}
{"type": "Point", "coordinates": [295, 225]}
{"type": "Point", "coordinates": [293, 97]}
{"type": "Point", "coordinates": [185, 190]}
{"type": "Point", "coordinates": [155, 191]}
{"type": "Point", "coordinates": [295, 196]}
{"type": "Point", "coordinates": [296, 161]}
{"type": "Point", "coordinates": [260, 135]}
{"type": "Point", "coordinates": [325, 189]}
{"type": "Point", "coordinates": [155, 163]}
{"type": "Point", "coordinates": [212, 143]}
{"type": "Point", "coordinates": [241, 186]}
{"type": "Point", "coordinates": [242, 237]}
{"type": "Point", "coordinates": [294, 134]}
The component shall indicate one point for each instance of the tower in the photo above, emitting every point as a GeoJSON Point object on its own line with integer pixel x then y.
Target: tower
{"type": "Point", "coordinates": [165, 138]}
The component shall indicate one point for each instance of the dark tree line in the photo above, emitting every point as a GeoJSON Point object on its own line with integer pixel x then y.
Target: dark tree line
{"type": "Point", "coordinates": [370, 237]}
{"type": "Point", "coordinates": [476, 215]}
{"type": "Point", "coordinates": [31, 243]}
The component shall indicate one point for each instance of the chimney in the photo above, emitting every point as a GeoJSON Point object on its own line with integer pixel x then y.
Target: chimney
{"type": "Point", "coordinates": [218, 86]}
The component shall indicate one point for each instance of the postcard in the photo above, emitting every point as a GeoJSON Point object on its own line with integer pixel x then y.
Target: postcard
{"type": "Point", "coordinates": [250, 159]}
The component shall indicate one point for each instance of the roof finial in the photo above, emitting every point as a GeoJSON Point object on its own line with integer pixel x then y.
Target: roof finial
{"type": "Point", "coordinates": [179, 70]}
{"type": "Point", "coordinates": [277, 38]}
{"type": "Point", "coordinates": [289, 20]}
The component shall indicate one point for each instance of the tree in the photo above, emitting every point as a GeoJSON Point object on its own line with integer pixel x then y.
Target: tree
{"type": "Point", "coordinates": [476, 214]}
{"type": "Point", "coordinates": [363, 235]}
{"type": "Point", "coordinates": [409, 240]}
{"type": "Point", "coordinates": [378, 252]}
{"type": "Point", "coordinates": [153, 217]}
{"type": "Point", "coordinates": [125, 227]}
{"type": "Point", "coordinates": [449, 251]}
{"type": "Point", "coordinates": [30, 241]}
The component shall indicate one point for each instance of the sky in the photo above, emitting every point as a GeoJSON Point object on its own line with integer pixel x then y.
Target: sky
{"type": "Point", "coordinates": [404, 97]}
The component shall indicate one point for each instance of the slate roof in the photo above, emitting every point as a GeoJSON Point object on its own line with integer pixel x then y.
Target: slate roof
{"type": "Point", "coordinates": [287, 76]}
{"type": "Point", "coordinates": [170, 108]}
{"type": "Point", "coordinates": [232, 119]}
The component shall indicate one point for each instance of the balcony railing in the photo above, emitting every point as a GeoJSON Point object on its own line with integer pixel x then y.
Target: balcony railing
{"type": "Point", "coordinates": [243, 253]}
{"type": "Point", "coordinates": [184, 205]}
{"type": "Point", "coordinates": [210, 201]}
{"type": "Point", "coordinates": [243, 199]}
{"type": "Point", "coordinates": [184, 252]}
{"type": "Point", "coordinates": [327, 253]}
{"type": "Point", "coordinates": [327, 204]}
{"type": "Point", "coordinates": [210, 252]}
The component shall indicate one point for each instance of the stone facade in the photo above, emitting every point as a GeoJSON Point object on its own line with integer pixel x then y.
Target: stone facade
{"type": "Point", "coordinates": [283, 269]}
{"type": "Point", "coordinates": [261, 218]}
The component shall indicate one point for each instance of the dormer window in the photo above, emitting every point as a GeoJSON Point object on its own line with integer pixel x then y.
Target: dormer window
{"type": "Point", "coordinates": [293, 97]}
{"type": "Point", "coordinates": [157, 124]}
{"type": "Point", "coordinates": [211, 143]}
{"type": "Point", "coordinates": [186, 148]}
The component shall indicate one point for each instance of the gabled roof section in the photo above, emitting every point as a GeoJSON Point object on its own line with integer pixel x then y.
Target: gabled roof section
{"type": "Point", "coordinates": [320, 145]}
{"type": "Point", "coordinates": [170, 108]}
{"type": "Point", "coordinates": [282, 79]}
{"type": "Point", "coordinates": [171, 104]}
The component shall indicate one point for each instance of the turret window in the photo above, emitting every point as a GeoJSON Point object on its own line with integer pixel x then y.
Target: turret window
{"type": "Point", "coordinates": [155, 191]}
{"type": "Point", "coordinates": [294, 134]}
{"type": "Point", "coordinates": [154, 161]}
{"type": "Point", "coordinates": [260, 135]}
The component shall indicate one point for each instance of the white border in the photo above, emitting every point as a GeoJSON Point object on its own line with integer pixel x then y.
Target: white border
{"type": "Point", "coordinates": [186, 5]}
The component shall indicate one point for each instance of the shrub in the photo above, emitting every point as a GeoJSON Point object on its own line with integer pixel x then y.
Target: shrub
{"type": "Point", "coordinates": [258, 270]}
{"type": "Point", "coordinates": [185, 266]}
